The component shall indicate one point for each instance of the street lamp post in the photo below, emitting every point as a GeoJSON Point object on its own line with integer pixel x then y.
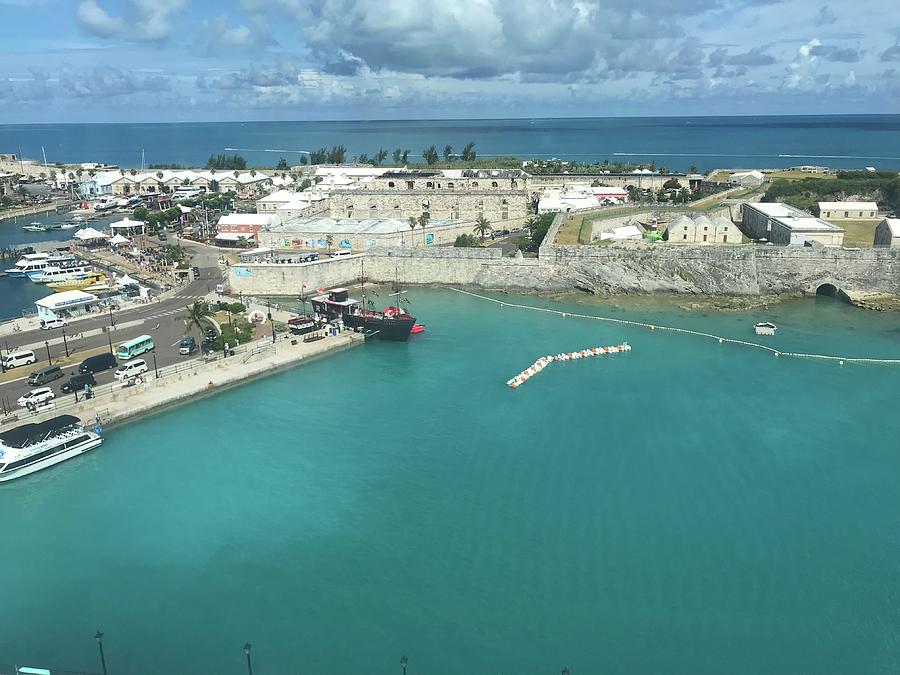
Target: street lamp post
{"type": "Point", "coordinates": [155, 369]}
{"type": "Point", "coordinates": [47, 345]}
{"type": "Point", "coordinates": [99, 638]}
{"type": "Point", "coordinates": [403, 661]}
{"type": "Point", "coordinates": [65, 344]}
{"type": "Point", "coordinates": [247, 647]}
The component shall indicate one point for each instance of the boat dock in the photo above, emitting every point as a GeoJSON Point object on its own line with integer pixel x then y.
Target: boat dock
{"type": "Point", "coordinates": [118, 402]}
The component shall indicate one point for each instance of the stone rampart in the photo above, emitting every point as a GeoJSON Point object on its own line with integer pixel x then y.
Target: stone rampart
{"type": "Point", "coordinates": [747, 269]}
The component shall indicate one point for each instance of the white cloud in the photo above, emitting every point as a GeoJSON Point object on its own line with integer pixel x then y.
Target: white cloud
{"type": "Point", "coordinates": [96, 20]}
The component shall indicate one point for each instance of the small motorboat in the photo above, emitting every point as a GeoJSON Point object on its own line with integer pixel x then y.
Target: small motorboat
{"type": "Point", "coordinates": [765, 328]}
{"type": "Point", "coordinates": [33, 227]}
{"type": "Point", "coordinates": [417, 328]}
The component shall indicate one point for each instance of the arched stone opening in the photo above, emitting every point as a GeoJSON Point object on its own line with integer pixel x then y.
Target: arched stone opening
{"type": "Point", "coordinates": [827, 290]}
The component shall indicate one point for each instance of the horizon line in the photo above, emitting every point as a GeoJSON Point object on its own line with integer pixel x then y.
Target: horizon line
{"type": "Point", "coordinates": [453, 119]}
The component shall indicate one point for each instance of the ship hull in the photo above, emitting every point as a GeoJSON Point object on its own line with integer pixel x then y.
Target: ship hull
{"type": "Point", "coordinates": [395, 329]}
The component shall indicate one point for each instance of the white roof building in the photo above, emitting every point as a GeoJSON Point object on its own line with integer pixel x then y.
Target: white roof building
{"type": "Point", "coordinates": [271, 202]}
{"type": "Point", "coordinates": [248, 220]}
{"type": "Point", "coordinates": [850, 210]}
{"type": "Point", "coordinates": [748, 178]}
{"type": "Point", "coordinates": [62, 304]}
{"type": "Point", "coordinates": [622, 233]}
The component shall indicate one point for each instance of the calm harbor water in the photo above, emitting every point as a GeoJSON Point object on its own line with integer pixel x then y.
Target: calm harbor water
{"type": "Point", "coordinates": [18, 295]}
{"type": "Point", "coordinates": [688, 507]}
{"type": "Point", "coordinates": [676, 142]}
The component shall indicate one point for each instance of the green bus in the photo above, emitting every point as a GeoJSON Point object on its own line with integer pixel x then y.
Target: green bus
{"type": "Point", "coordinates": [139, 345]}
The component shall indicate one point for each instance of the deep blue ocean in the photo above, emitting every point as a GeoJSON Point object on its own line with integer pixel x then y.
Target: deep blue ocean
{"type": "Point", "coordinates": [676, 142]}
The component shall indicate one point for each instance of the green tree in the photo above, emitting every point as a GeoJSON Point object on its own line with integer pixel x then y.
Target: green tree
{"type": "Point", "coordinates": [196, 316]}
{"type": "Point", "coordinates": [282, 165]}
{"type": "Point", "coordinates": [430, 154]}
{"type": "Point", "coordinates": [693, 168]}
{"type": "Point", "coordinates": [213, 185]}
{"type": "Point", "coordinates": [380, 156]}
{"type": "Point", "coordinates": [468, 153]}
{"type": "Point", "coordinates": [305, 184]}
{"type": "Point", "coordinates": [413, 224]}
{"type": "Point", "coordinates": [423, 223]}
{"type": "Point", "coordinates": [304, 160]}
{"type": "Point", "coordinates": [482, 227]}
{"type": "Point", "coordinates": [404, 158]}
{"type": "Point", "coordinates": [319, 156]}
{"type": "Point", "coordinates": [466, 241]}
{"type": "Point", "coordinates": [672, 184]}
{"type": "Point", "coordinates": [329, 240]}
{"type": "Point", "coordinates": [396, 155]}
{"type": "Point", "coordinates": [448, 152]}
{"type": "Point", "coordinates": [337, 154]}
{"type": "Point", "coordinates": [141, 213]}
{"type": "Point", "coordinates": [364, 159]}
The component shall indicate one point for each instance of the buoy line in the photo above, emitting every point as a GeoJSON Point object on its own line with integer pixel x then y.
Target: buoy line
{"type": "Point", "coordinates": [626, 322]}
{"type": "Point", "coordinates": [545, 361]}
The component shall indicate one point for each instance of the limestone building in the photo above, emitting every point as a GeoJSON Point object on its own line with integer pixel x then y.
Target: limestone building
{"type": "Point", "coordinates": [887, 234]}
{"type": "Point", "coordinates": [785, 225]}
{"type": "Point", "coordinates": [702, 230]}
{"type": "Point", "coordinates": [848, 210]}
{"type": "Point", "coordinates": [498, 196]}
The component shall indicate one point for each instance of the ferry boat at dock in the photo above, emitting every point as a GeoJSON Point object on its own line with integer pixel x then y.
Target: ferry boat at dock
{"type": "Point", "coordinates": [32, 447]}
{"type": "Point", "coordinates": [391, 324]}
{"type": "Point", "coordinates": [31, 264]}
{"type": "Point", "coordinates": [62, 273]}
{"type": "Point", "coordinates": [92, 281]}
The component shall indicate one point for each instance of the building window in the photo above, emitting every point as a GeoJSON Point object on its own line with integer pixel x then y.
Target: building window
{"type": "Point", "coordinates": [504, 201]}
{"type": "Point", "coordinates": [504, 214]}
{"type": "Point", "coordinates": [704, 237]}
{"type": "Point", "coordinates": [450, 185]}
{"type": "Point", "coordinates": [410, 185]}
{"type": "Point", "coordinates": [846, 214]}
{"type": "Point", "coordinates": [390, 183]}
{"type": "Point", "coordinates": [514, 184]}
{"type": "Point", "coordinates": [705, 229]}
{"type": "Point", "coordinates": [724, 238]}
{"type": "Point", "coordinates": [685, 236]}
{"type": "Point", "coordinates": [474, 183]}
{"type": "Point", "coordinates": [725, 228]}
{"type": "Point", "coordinates": [429, 184]}
{"type": "Point", "coordinates": [493, 183]}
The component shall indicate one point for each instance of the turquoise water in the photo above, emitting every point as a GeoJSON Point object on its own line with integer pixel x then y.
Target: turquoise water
{"type": "Point", "coordinates": [675, 142]}
{"type": "Point", "coordinates": [687, 507]}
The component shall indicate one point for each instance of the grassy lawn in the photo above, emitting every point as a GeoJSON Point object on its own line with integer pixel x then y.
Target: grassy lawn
{"type": "Point", "coordinates": [576, 229]}
{"type": "Point", "coordinates": [858, 232]}
{"type": "Point", "coordinates": [799, 175]}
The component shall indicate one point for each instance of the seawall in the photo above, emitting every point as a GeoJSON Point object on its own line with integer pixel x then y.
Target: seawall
{"type": "Point", "coordinates": [745, 269]}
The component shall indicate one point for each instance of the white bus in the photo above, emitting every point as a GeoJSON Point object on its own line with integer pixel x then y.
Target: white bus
{"type": "Point", "coordinates": [132, 348]}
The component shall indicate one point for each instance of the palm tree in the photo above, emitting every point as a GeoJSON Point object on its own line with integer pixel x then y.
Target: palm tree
{"type": "Point", "coordinates": [423, 223]}
{"type": "Point", "coordinates": [482, 227]}
{"type": "Point", "coordinates": [196, 313]}
{"type": "Point", "coordinates": [330, 241]}
{"type": "Point", "coordinates": [448, 152]}
{"type": "Point", "coordinates": [413, 224]}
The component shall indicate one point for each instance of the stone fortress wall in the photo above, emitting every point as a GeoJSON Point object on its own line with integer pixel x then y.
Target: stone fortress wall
{"type": "Point", "coordinates": [746, 269]}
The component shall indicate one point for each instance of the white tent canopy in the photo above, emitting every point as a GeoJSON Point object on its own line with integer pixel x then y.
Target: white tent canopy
{"type": "Point", "coordinates": [127, 224]}
{"type": "Point", "coordinates": [118, 240]}
{"type": "Point", "coordinates": [126, 280]}
{"type": "Point", "coordinates": [88, 233]}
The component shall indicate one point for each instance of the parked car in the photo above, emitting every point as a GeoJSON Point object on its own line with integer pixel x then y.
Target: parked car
{"type": "Point", "coordinates": [53, 323]}
{"type": "Point", "coordinates": [36, 397]}
{"type": "Point", "coordinates": [211, 333]}
{"type": "Point", "coordinates": [188, 345]}
{"type": "Point", "coordinates": [20, 358]}
{"type": "Point", "coordinates": [77, 382]}
{"type": "Point", "coordinates": [45, 375]}
{"type": "Point", "coordinates": [196, 271]}
{"type": "Point", "coordinates": [131, 369]}
{"type": "Point", "coordinates": [98, 363]}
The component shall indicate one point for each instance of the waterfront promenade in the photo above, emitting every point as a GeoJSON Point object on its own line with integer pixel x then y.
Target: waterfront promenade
{"type": "Point", "coordinates": [116, 402]}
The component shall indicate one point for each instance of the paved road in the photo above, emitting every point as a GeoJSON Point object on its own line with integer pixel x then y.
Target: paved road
{"type": "Point", "coordinates": [163, 320]}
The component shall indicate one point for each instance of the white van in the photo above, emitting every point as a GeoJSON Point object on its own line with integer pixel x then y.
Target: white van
{"type": "Point", "coordinates": [341, 253]}
{"type": "Point", "coordinates": [50, 324]}
{"type": "Point", "coordinates": [131, 369]}
{"type": "Point", "coordinates": [20, 358]}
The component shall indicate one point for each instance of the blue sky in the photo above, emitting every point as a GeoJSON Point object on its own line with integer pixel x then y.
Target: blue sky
{"type": "Point", "coordinates": [171, 60]}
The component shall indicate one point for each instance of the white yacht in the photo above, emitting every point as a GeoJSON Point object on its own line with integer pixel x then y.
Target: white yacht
{"type": "Point", "coordinates": [32, 447]}
{"type": "Point", "coordinates": [35, 266]}
{"type": "Point", "coordinates": [64, 273]}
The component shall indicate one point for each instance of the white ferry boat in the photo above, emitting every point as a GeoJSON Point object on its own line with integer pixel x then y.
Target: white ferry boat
{"type": "Point", "coordinates": [34, 267]}
{"type": "Point", "coordinates": [63, 273]}
{"type": "Point", "coordinates": [28, 262]}
{"type": "Point", "coordinates": [32, 447]}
